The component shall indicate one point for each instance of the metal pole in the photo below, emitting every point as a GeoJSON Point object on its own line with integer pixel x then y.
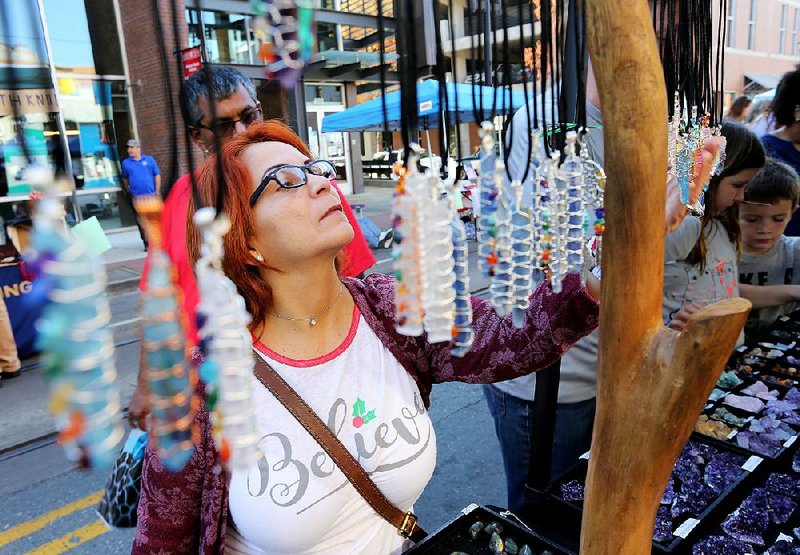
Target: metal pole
{"type": "Point", "coordinates": [62, 128]}
{"type": "Point", "coordinates": [487, 42]}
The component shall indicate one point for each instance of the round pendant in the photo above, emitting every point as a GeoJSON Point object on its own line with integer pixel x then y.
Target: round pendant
{"type": "Point", "coordinates": [313, 322]}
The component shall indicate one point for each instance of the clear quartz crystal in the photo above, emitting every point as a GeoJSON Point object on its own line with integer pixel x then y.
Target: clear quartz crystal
{"type": "Point", "coordinates": [229, 345]}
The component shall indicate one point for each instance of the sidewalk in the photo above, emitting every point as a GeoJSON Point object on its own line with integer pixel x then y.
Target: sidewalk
{"type": "Point", "coordinates": [24, 419]}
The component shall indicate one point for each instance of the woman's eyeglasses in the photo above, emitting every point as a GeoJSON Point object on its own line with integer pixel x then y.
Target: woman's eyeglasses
{"type": "Point", "coordinates": [227, 127]}
{"type": "Point", "coordinates": [292, 177]}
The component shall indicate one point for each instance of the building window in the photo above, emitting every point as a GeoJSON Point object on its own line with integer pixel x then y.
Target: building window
{"type": "Point", "coordinates": [323, 94]}
{"type": "Point", "coordinates": [782, 34]}
{"type": "Point", "coordinates": [751, 25]}
{"type": "Point", "coordinates": [193, 26]}
{"type": "Point", "coordinates": [87, 106]}
{"type": "Point", "coordinates": [226, 38]}
{"type": "Point", "coordinates": [75, 48]}
{"type": "Point", "coordinates": [327, 38]}
{"type": "Point", "coordinates": [795, 30]}
{"type": "Point", "coordinates": [782, 30]}
{"type": "Point", "coordinates": [731, 24]}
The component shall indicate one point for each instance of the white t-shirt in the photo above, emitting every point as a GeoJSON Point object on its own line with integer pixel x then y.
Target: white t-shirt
{"type": "Point", "coordinates": [684, 283]}
{"type": "Point", "coordinates": [296, 500]}
{"type": "Point", "coordinates": [774, 267]}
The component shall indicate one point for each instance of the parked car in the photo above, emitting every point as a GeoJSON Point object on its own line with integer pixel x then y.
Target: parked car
{"type": "Point", "coordinates": [395, 155]}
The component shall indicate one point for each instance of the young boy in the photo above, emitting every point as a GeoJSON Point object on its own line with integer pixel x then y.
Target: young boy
{"type": "Point", "coordinates": [769, 258]}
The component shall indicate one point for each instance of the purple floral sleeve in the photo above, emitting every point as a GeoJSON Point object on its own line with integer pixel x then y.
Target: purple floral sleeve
{"type": "Point", "coordinates": [169, 514]}
{"type": "Point", "coordinates": [553, 323]}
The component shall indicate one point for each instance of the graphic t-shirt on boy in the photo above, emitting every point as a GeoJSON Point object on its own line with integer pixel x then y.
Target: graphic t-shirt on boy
{"type": "Point", "coordinates": [685, 283]}
{"type": "Point", "coordinates": [296, 500]}
{"type": "Point", "coordinates": [774, 267]}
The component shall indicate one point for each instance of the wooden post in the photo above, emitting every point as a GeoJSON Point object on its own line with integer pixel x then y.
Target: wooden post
{"type": "Point", "coordinates": [652, 381]}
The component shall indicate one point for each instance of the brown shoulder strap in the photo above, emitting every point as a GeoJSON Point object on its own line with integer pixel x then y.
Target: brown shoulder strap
{"type": "Point", "coordinates": [406, 523]}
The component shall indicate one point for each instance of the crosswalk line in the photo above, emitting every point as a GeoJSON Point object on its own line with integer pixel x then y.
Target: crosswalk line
{"type": "Point", "coordinates": [30, 526]}
{"type": "Point", "coordinates": [72, 539]}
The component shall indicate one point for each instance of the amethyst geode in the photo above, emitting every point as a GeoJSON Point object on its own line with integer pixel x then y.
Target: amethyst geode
{"type": "Point", "coordinates": [783, 547]}
{"type": "Point", "coordinates": [720, 545]}
{"type": "Point", "coordinates": [749, 522]}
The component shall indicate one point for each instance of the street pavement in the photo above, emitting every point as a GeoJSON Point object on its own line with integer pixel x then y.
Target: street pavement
{"type": "Point", "coordinates": [48, 507]}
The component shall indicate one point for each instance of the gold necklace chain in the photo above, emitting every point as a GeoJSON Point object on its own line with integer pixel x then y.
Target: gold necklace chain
{"type": "Point", "coordinates": [312, 321]}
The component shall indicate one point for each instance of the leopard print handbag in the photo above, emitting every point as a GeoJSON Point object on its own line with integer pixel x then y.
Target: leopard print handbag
{"type": "Point", "coordinates": [120, 499]}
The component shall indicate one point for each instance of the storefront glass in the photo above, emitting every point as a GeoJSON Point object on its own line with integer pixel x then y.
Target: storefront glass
{"type": "Point", "coordinates": [87, 110]}
{"type": "Point", "coordinates": [226, 38]}
{"type": "Point", "coordinates": [69, 35]}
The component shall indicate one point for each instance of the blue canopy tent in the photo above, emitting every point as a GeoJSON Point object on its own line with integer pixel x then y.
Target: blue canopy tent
{"type": "Point", "coordinates": [369, 115]}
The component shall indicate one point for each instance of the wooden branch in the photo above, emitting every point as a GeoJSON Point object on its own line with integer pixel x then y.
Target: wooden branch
{"type": "Point", "coordinates": [652, 381]}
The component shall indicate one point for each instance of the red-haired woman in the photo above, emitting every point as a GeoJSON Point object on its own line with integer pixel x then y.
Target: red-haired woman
{"type": "Point", "coordinates": [333, 340]}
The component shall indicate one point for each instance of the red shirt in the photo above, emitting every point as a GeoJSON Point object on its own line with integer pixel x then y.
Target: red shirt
{"type": "Point", "coordinates": [359, 257]}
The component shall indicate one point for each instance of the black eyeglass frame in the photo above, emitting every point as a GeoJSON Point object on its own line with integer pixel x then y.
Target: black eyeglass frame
{"type": "Point", "coordinates": [231, 123]}
{"type": "Point", "coordinates": [271, 175]}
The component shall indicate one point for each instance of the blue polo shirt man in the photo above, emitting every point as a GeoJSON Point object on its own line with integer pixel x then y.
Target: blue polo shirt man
{"type": "Point", "coordinates": [140, 177]}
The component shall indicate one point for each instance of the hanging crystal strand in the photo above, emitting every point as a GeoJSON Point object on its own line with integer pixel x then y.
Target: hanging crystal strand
{"type": "Point", "coordinates": [697, 138]}
{"type": "Point", "coordinates": [77, 346]}
{"type": "Point", "coordinates": [683, 165]}
{"type": "Point", "coordinates": [594, 190]}
{"type": "Point", "coordinates": [487, 195]}
{"type": "Point", "coordinates": [438, 293]}
{"type": "Point", "coordinates": [522, 256]}
{"type": "Point", "coordinates": [170, 379]}
{"type": "Point", "coordinates": [502, 280]}
{"type": "Point", "coordinates": [540, 240]}
{"type": "Point", "coordinates": [464, 334]}
{"type": "Point", "coordinates": [287, 27]}
{"type": "Point", "coordinates": [673, 136]}
{"type": "Point", "coordinates": [571, 173]}
{"type": "Point", "coordinates": [719, 160]}
{"type": "Point", "coordinates": [405, 252]}
{"type": "Point", "coordinates": [557, 222]}
{"type": "Point", "coordinates": [227, 348]}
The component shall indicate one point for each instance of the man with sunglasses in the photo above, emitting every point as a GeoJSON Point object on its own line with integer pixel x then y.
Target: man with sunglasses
{"type": "Point", "coordinates": [237, 107]}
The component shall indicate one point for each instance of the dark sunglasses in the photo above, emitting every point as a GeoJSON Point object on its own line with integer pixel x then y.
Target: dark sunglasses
{"type": "Point", "coordinates": [227, 127]}
{"type": "Point", "coordinates": [292, 177]}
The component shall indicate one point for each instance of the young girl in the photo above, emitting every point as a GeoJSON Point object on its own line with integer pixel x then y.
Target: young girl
{"type": "Point", "coordinates": [701, 256]}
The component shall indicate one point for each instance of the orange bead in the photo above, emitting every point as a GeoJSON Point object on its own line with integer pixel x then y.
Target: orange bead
{"type": "Point", "coordinates": [492, 259]}
{"type": "Point", "coordinates": [599, 228]}
{"type": "Point", "coordinates": [546, 254]}
{"type": "Point", "coordinates": [267, 52]}
{"type": "Point", "coordinates": [76, 426]}
{"type": "Point", "coordinates": [224, 450]}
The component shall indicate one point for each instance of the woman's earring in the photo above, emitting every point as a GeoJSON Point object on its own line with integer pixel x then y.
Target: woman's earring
{"type": "Point", "coordinates": [259, 257]}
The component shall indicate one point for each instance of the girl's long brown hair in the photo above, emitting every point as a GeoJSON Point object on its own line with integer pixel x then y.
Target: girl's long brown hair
{"type": "Point", "coordinates": [237, 263]}
{"type": "Point", "coordinates": [743, 151]}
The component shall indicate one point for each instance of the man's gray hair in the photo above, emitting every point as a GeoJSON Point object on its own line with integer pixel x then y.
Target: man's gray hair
{"type": "Point", "coordinates": [224, 82]}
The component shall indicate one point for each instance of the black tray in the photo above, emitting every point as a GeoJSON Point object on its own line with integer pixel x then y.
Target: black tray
{"type": "Point", "coordinates": [758, 479]}
{"type": "Point", "coordinates": [454, 536]}
{"type": "Point", "coordinates": [678, 545]}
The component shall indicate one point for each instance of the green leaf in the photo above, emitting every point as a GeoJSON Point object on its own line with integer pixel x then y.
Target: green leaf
{"type": "Point", "coordinates": [369, 416]}
{"type": "Point", "coordinates": [358, 407]}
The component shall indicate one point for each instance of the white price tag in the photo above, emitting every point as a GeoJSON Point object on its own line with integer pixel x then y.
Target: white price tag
{"type": "Point", "coordinates": [790, 441]}
{"type": "Point", "coordinates": [732, 434]}
{"type": "Point", "coordinates": [585, 456]}
{"type": "Point", "coordinates": [752, 463]}
{"type": "Point", "coordinates": [685, 528]}
{"type": "Point", "coordinates": [784, 318]}
{"type": "Point", "coordinates": [784, 537]}
{"type": "Point", "coordinates": [742, 349]}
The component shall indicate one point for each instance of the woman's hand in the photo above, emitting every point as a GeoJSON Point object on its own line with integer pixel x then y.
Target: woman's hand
{"type": "Point", "coordinates": [676, 210]}
{"type": "Point", "coordinates": [593, 286]}
{"type": "Point", "coordinates": [681, 317]}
